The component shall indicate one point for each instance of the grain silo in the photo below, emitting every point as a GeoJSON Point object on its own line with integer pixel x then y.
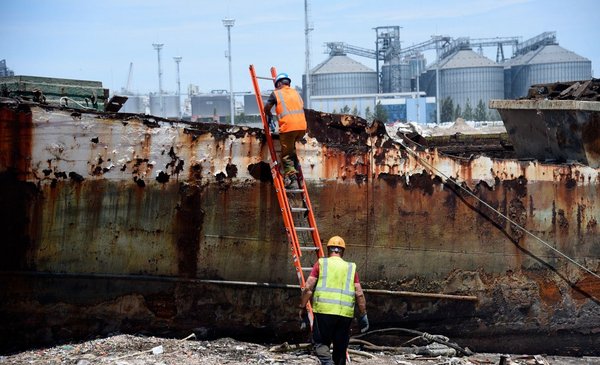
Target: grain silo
{"type": "Point", "coordinates": [466, 75]}
{"type": "Point", "coordinates": [341, 75]}
{"type": "Point", "coordinates": [134, 104]}
{"type": "Point", "coordinates": [541, 60]}
{"type": "Point", "coordinates": [215, 104]}
{"type": "Point", "coordinates": [170, 105]}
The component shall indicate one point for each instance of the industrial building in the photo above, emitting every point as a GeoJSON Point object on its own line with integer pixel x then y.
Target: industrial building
{"type": "Point", "coordinates": [5, 71]}
{"type": "Point", "coordinates": [402, 84]}
{"type": "Point", "coordinates": [403, 107]}
{"type": "Point", "coordinates": [414, 109]}
{"type": "Point", "coordinates": [343, 85]}
{"type": "Point", "coordinates": [466, 77]}
{"type": "Point", "coordinates": [541, 60]}
{"type": "Point", "coordinates": [213, 106]}
{"type": "Point", "coordinates": [250, 104]}
{"type": "Point", "coordinates": [166, 106]}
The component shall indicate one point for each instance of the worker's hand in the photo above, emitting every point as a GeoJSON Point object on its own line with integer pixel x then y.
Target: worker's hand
{"type": "Point", "coordinates": [271, 123]}
{"type": "Point", "coordinates": [303, 314]}
{"type": "Point", "coordinates": [363, 321]}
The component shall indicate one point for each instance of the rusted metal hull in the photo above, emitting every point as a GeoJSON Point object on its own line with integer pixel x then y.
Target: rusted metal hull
{"type": "Point", "coordinates": [112, 223]}
{"type": "Point", "coordinates": [553, 130]}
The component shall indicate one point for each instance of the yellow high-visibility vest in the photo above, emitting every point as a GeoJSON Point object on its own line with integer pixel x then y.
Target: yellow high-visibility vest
{"type": "Point", "coordinates": [335, 291]}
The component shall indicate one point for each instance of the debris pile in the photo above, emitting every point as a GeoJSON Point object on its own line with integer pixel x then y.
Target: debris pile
{"type": "Point", "coordinates": [587, 90]}
{"type": "Point", "coordinates": [134, 350]}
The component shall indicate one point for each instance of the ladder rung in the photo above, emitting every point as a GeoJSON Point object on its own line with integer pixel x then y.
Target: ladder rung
{"type": "Point", "coordinates": [307, 268]}
{"type": "Point", "coordinates": [304, 229]}
{"type": "Point", "coordinates": [309, 248]}
{"type": "Point", "coordinates": [298, 210]}
{"type": "Point", "coordinates": [294, 190]}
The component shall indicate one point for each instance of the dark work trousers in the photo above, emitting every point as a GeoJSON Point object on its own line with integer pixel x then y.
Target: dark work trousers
{"type": "Point", "coordinates": [288, 150]}
{"type": "Point", "coordinates": [331, 329]}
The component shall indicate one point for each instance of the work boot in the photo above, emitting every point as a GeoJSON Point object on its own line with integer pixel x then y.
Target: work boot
{"type": "Point", "coordinates": [289, 180]}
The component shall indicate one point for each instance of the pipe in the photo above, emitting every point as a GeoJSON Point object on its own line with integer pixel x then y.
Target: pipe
{"type": "Point", "coordinates": [421, 295]}
{"type": "Point", "coordinates": [232, 282]}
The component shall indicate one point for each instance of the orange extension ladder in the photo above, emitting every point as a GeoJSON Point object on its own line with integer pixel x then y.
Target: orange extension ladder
{"type": "Point", "coordinates": [299, 221]}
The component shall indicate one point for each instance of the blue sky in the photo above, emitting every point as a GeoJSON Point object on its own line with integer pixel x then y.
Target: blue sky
{"type": "Point", "coordinates": [97, 40]}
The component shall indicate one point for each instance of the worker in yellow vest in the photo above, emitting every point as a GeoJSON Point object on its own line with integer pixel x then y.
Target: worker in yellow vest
{"type": "Point", "coordinates": [334, 286]}
{"type": "Point", "coordinates": [292, 123]}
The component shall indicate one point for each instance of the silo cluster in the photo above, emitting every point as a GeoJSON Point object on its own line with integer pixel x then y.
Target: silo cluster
{"type": "Point", "coordinates": [465, 76]}
{"type": "Point", "coordinates": [541, 60]}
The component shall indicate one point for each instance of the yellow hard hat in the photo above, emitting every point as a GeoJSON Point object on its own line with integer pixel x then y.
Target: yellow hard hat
{"type": "Point", "coordinates": [336, 241]}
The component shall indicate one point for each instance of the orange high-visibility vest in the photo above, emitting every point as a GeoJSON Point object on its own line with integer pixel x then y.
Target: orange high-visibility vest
{"type": "Point", "coordinates": [290, 110]}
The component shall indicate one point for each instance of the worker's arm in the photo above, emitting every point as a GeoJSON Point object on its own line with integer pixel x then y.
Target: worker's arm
{"type": "Point", "coordinates": [361, 302]}
{"type": "Point", "coordinates": [307, 291]}
{"type": "Point", "coordinates": [271, 102]}
{"type": "Point", "coordinates": [268, 107]}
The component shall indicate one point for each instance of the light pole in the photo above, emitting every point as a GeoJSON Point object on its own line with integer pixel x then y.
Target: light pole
{"type": "Point", "coordinates": [177, 61]}
{"type": "Point", "coordinates": [437, 81]}
{"type": "Point", "coordinates": [158, 47]}
{"type": "Point", "coordinates": [418, 96]}
{"type": "Point", "coordinates": [228, 23]}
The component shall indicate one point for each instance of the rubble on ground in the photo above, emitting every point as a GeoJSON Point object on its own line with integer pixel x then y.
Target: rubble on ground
{"type": "Point", "coordinates": [138, 350]}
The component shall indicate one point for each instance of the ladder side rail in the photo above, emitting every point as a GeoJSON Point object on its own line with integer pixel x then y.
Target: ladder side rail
{"type": "Point", "coordinates": [297, 241]}
{"type": "Point", "coordinates": [312, 222]}
{"type": "Point", "coordinates": [302, 282]}
{"type": "Point", "coordinates": [277, 178]}
{"type": "Point", "coordinates": [311, 217]}
{"type": "Point", "coordinates": [263, 116]}
{"type": "Point", "coordinates": [299, 272]}
{"type": "Point", "coordinates": [288, 220]}
{"type": "Point", "coordinates": [297, 263]}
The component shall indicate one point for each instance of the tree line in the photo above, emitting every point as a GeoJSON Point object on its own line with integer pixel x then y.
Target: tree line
{"type": "Point", "coordinates": [449, 112]}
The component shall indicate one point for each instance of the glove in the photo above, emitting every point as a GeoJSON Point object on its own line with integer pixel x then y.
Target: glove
{"type": "Point", "coordinates": [271, 123]}
{"type": "Point", "coordinates": [304, 322]}
{"type": "Point", "coordinates": [363, 322]}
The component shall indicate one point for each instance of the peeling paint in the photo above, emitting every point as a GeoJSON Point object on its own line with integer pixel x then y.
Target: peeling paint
{"type": "Point", "coordinates": [167, 202]}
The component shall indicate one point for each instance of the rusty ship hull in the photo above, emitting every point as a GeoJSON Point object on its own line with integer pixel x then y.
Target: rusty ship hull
{"type": "Point", "coordinates": [130, 223]}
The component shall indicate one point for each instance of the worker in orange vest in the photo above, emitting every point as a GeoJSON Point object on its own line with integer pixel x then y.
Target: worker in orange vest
{"type": "Point", "coordinates": [292, 123]}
